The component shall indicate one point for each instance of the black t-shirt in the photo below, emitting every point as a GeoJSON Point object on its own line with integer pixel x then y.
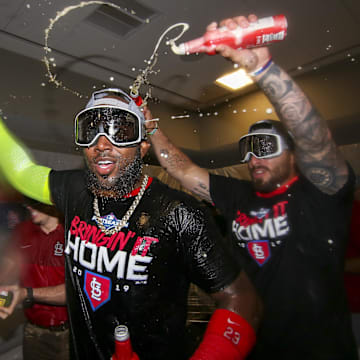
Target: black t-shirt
{"type": "Point", "coordinates": [293, 241]}
{"type": "Point", "coordinates": [139, 276]}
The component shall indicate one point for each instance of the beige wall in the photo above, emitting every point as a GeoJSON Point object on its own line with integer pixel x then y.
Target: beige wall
{"type": "Point", "coordinates": [335, 91]}
{"type": "Point", "coordinates": [180, 131]}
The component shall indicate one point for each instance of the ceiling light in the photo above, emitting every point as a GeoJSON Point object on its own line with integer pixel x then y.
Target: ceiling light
{"type": "Point", "coordinates": [235, 80]}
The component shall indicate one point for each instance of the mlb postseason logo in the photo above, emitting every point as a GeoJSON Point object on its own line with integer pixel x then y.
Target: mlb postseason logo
{"type": "Point", "coordinates": [109, 221]}
{"type": "Point", "coordinates": [97, 289]}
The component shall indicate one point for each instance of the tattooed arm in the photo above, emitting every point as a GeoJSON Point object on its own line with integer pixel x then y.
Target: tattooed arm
{"type": "Point", "coordinates": [177, 164]}
{"type": "Point", "coordinates": [317, 156]}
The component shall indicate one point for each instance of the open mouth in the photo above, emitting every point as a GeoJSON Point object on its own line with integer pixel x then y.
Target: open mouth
{"type": "Point", "coordinates": [104, 167]}
{"type": "Point", "coordinates": [258, 172]}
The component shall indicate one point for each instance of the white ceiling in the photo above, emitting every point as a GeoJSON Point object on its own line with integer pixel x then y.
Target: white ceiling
{"type": "Point", "coordinates": [320, 32]}
{"type": "Point", "coordinates": [80, 46]}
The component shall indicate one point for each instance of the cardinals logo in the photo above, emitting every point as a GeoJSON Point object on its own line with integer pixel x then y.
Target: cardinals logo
{"type": "Point", "coordinates": [97, 289]}
{"type": "Point", "coordinates": [259, 251]}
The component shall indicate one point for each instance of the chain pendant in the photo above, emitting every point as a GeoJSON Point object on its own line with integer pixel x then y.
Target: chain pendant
{"type": "Point", "coordinates": [124, 221]}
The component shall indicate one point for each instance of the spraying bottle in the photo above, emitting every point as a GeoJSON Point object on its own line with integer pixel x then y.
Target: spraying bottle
{"type": "Point", "coordinates": [123, 348]}
{"type": "Point", "coordinates": [260, 33]}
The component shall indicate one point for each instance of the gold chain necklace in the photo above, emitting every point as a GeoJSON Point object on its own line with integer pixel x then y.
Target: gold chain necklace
{"type": "Point", "coordinates": [123, 222]}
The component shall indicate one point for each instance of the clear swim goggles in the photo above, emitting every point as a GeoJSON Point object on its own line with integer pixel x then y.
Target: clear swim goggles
{"type": "Point", "coordinates": [113, 114]}
{"type": "Point", "coordinates": [260, 145]}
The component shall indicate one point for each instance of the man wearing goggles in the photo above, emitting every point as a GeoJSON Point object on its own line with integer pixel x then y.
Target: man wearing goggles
{"type": "Point", "coordinates": [133, 245]}
{"type": "Point", "coordinates": [290, 221]}
{"type": "Point", "coordinates": [268, 139]}
{"type": "Point", "coordinates": [111, 131]}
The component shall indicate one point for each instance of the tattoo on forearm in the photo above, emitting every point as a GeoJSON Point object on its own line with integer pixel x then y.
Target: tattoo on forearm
{"type": "Point", "coordinates": [173, 160]}
{"type": "Point", "coordinates": [293, 107]}
{"type": "Point", "coordinates": [271, 85]}
{"type": "Point", "coordinates": [317, 154]}
{"type": "Point", "coordinates": [202, 190]}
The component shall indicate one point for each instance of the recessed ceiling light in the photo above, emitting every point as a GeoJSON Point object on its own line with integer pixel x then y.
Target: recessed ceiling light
{"type": "Point", "coordinates": [234, 80]}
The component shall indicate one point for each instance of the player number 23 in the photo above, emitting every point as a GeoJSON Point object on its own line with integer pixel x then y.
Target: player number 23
{"type": "Point", "coordinates": [232, 335]}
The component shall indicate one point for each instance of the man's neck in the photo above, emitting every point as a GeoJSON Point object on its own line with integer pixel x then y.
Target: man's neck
{"type": "Point", "coordinates": [50, 225]}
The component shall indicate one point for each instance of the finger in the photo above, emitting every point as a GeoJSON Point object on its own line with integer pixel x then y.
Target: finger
{"type": "Point", "coordinates": [252, 18]}
{"type": "Point", "coordinates": [237, 21]}
{"type": "Point", "coordinates": [212, 26]}
{"type": "Point", "coordinates": [11, 308]}
{"type": "Point", "coordinates": [4, 313]}
{"type": "Point", "coordinates": [229, 23]}
{"type": "Point", "coordinates": [147, 113]}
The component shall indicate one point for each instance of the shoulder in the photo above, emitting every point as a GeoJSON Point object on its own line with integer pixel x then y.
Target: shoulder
{"type": "Point", "coordinates": [220, 180]}
{"type": "Point", "coordinates": [59, 229]}
{"type": "Point", "coordinates": [67, 186]}
{"type": "Point", "coordinates": [63, 174]}
{"type": "Point", "coordinates": [171, 194]}
{"type": "Point", "coordinates": [226, 192]}
{"type": "Point", "coordinates": [177, 205]}
{"type": "Point", "coordinates": [74, 179]}
{"type": "Point", "coordinates": [26, 224]}
{"type": "Point", "coordinates": [25, 227]}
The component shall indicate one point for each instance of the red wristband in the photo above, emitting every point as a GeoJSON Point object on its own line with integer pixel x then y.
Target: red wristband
{"type": "Point", "coordinates": [227, 336]}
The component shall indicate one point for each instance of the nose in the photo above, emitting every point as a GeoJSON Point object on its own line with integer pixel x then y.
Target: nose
{"type": "Point", "coordinates": [103, 143]}
{"type": "Point", "coordinates": [254, 160]}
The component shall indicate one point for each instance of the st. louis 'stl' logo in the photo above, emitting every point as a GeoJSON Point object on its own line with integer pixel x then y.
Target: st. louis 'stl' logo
{"type": "Point", "coordinates": [97, 289]}
{"type": "Point", "coordinates": [259, 251]}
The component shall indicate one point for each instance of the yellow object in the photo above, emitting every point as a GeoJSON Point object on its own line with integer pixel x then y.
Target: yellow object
{"type": "Point", "coordinates": [18, 167]}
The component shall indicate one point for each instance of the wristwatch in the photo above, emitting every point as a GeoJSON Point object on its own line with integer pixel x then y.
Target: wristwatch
{"type": "Point", "coordinates": [29, 300]}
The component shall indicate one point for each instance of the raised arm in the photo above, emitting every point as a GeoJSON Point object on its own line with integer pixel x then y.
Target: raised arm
{"type": "Point", "coordinates": [230, 333]}
{"type": "Point", "coordinates": [176, 163]}
{"type": "Point", "coordinates": [20, 170]}
{"type": "Point", "coordinates": [316, 153]}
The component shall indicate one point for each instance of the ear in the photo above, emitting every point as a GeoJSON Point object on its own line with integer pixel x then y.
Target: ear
{"type": "Point", "coordinates": [144, 148]}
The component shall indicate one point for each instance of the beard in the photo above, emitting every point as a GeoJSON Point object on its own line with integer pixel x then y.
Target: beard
{"type": "Point", "coordinates": [265, 186]}
{"type": "Point", "coordinates": [278, 177]}
{"type": "Point", "coordinates": [117, 187]}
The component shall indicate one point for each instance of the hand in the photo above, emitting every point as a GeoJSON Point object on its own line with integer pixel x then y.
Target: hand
{"type": "Point", "coordinates": [18, 296]}
{"type": "Point", "coordinates": [149, 125]}
{"type": "Point", "coordinates": [249, 59]}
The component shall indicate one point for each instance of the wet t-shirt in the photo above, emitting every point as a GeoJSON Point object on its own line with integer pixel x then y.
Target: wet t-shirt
{"type": "Point", "coordinates": [140, 275]}
{"type": "Point", "coordinates": [293, 241]}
